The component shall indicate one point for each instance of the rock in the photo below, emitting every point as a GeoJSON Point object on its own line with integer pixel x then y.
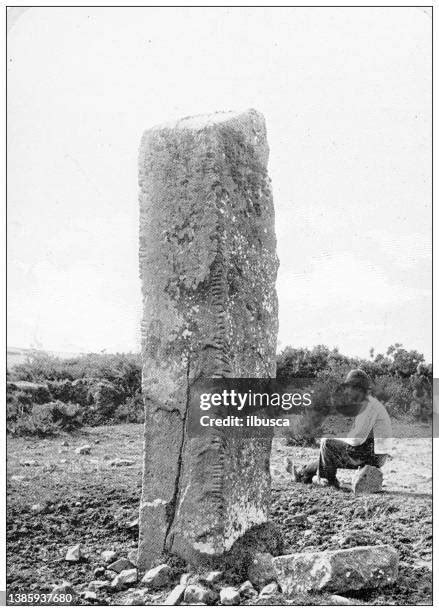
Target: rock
{"type": "Point", "coordinates": [338, 600]}
{"type": "Point", "coordinates": [157, 576]}
{"type": "Point", "coordinates": [368, 479]}
{"type": "Point", "coordinates": [134, 600]}
{"type": "Point", "coordinates": [98, 571]}
{"type": "Point", "coordinates": [109, 556]}
{"type": "Point", "coordinates": [184, 578]}
{"type": "Point", "coordinates": [17, 478]}
{"type": "Point", "coordinates": [108, 575]}
{"type": "Point", "coordinates": [65, 588]}
{"type": "Point", "coordinates": [121, 462]}
{"type": "Point", "coordinates": [261, 569]}
{"type": "Point", "coordinates": [64, 443]}
{"type": "Point", "coordinates": [247, 590]}
{"type": "Point", "coordinates": [356, 537]}
{"type": "Point", "coordinates": [299, 520]}
{"type": "Point", "coordinates": [37, 508]}
{"type": "Point", "coordinates": [74, 553]}
{"type": "Point", "coordinates": [89, 595]}
{"type": "Point", "coordinates": [120, 565]}
{"type": "Point", "coordinates": [175, 596]}
{"type": "Point", "coordinates": [196, 593]}
{"type": "Point", "coordinates": [132, 557]}
{"type": "Point", "coordinates": [338, 571]}
{"type": "Point", "coordinates": [269, 590]}
{"type": "Point", "coordinates": [230, 596]}
{"type": "Point", "coordinates": [98, 585]}
{"type": "Point", "coordinates": [133, 523]}
{"type": "Point", "coordinates": [212, 577]}
{"type": "Point", "coordinates": [28, 462]}
{"type": "Point", "coordinates": [83, 450]}
{"type": "Point", "coordinates": [124, 579]}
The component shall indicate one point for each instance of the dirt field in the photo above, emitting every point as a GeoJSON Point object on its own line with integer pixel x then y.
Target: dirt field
{"type": "Point", "coordinates": [85, 500]}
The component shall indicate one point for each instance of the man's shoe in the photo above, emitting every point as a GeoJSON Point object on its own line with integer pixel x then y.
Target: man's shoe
{"type": "Point", "coordinates": [320, 482]}
{"type": "Point", "coordinates": [334, 483]}
{"type": "Point", "coordinates": [296, 475]}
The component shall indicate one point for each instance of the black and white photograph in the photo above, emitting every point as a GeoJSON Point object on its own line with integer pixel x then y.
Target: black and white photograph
{"type": "Point", "coordinates": [219, 316]}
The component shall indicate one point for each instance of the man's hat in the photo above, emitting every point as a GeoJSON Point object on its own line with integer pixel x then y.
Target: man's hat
{"type": "Point", "coordinates": [358, 378]}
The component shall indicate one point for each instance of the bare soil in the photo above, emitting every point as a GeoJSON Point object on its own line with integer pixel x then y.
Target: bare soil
{"type": "Point", "coordinates": [85, 500]}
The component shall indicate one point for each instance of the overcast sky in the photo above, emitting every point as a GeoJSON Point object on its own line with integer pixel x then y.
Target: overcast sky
{"type": "Point", "coordinates": [346, 96]}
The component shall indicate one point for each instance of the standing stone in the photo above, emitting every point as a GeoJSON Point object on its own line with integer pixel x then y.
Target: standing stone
{"type": "Point", "coordinates": [208, 267]}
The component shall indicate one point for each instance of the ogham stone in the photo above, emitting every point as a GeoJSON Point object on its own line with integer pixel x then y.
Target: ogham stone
{"type": "Point", "coordinates": [208, 268]}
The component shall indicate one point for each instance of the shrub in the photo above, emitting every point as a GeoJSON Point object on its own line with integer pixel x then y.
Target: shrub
{"type": "Point", "coordinates": [67, 417]}
{"type": "Point", "coordinates": [38, 423]}
{"type": "Point", "coordinates": [106, 398]}
{"type": "Point", "coordinates": [395, 393]}
{"type": "Point", "coordinates": [131, 411]}
{"type": "Point", "coordinates": [122, 369]}
{"type": "Point", "coordinates": [13, 408]}
{"type": "Point", "coordinates": [80, 391]}
{"type": "Point", "coordinates": [46, 420]}
{"type": "Point", "coordinates": [308, 426]}
{"type": "Point", "coordinates": [39, 392]}
{"type": "Point", "coordinates": [61, 390]}
{"type": "Point", "coordinates": [75, 392]}
{"type": "Point", "coordinates": [23, 399]}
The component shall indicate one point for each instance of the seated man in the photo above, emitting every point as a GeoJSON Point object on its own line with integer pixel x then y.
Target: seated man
{"type": "Point", "coordinates": [366, 444]}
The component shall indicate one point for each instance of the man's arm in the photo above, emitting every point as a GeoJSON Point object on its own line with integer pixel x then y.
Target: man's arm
{"type": "Point", "coordinates": [361, 429]}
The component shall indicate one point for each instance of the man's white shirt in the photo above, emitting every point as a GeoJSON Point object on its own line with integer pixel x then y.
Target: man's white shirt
{"type": "Point", "coordinates": [374, 417]}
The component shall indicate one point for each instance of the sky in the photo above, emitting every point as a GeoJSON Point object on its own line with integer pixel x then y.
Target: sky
{"type": "Point", "coordinates": [346, 94]}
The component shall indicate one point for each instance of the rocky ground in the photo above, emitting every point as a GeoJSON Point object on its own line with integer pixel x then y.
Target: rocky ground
{"type": "Point", "coordinates": [58, 498]}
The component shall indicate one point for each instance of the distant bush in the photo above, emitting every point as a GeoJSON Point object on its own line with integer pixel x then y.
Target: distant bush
{"type": "Point", "coordinates": [60, 390]}
{"type": "Point", "coordinates": [80, 391]}
{"type": "Point", "coordinates": [98, 389]}
{"type": "Point", "coordinates": [106, 397]}
{"type": "Point", "coordinates": [67, 417]}
{"type": "Point", "coordinates": [392, 375]}
{"type": "Point", "coordinates": [131, 411]}
{"type": "Point", "coordinates": [36, 423]}
{"type": "Point", "coordinates": [122, 369]}
{"type": "Point", "coordinates": [39, 392]}
{"type": "Point", "coordinates": [395, 393]}
{"type": "Point", "coordinates": [309, 425]}
{"type": "Point", "coordinates": [23, 399]}
{"type": "Point", "coordinates": [45, 420]}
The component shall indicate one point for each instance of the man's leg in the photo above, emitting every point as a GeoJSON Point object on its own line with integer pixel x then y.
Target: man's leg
{"type": "Point", "coordinates": [333, 454]}
{"type": "Point", "coordinates": [306, 474]}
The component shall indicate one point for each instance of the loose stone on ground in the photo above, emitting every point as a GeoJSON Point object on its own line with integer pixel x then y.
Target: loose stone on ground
{"type": "Point", "coordinates": [157, 576]}
{"type": "Point", "coordinates": [337, 570]}
{"type": "Point", "coordinates": [230, 596]}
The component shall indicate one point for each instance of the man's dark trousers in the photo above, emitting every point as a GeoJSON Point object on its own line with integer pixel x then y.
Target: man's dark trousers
{"type": "Point", "coordinates": [335, 454]}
